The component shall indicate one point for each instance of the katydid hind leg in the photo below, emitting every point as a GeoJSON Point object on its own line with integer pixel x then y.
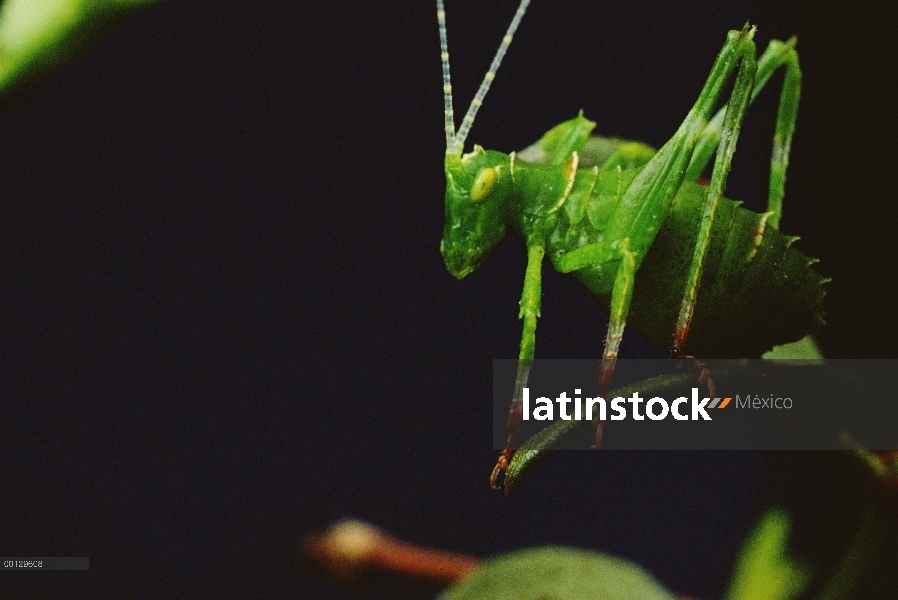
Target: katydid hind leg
{"type": "Point", "coordinates": [735, 112]}
{"type": "Point", "coordinates": [778, 54]}
{"type": "Point", "coordinates": [646, 202]}
{"type": "Point", "coordinates": [782, 140]}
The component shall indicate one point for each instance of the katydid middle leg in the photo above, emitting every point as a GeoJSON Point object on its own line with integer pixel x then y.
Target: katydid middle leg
{"type": "Point", "coordinates": [621, 296]}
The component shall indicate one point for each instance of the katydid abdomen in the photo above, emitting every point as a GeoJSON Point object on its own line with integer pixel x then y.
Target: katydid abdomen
{"type": "Point", "coordinates": [756, 290]}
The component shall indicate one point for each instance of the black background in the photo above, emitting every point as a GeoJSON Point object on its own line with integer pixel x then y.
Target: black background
{"type": "Point", "coordinates": [226, 323]}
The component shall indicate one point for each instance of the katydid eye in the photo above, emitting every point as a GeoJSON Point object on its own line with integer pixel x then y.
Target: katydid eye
{"type": "Point", "coordinates": [483, 184]}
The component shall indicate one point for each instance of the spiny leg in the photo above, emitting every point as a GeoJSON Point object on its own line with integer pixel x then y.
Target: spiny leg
{"type": "Point", "coordinates": [782, 138]}
{"type": "Point", "coordinates": [620, 307]}
{"type": "Point", "coordinates": [735, 111]}
{"type": "Point", "coordinates": [530, 304]}
{"type": "Point", "coordinates": [778, 54]}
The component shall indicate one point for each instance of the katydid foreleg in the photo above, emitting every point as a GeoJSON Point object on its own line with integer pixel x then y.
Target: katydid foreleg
{"type": "Point", "coordinates": [530, 302]}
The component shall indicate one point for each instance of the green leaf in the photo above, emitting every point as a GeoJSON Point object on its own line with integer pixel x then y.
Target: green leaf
{"type": "Point", "coordinates": [765, 571]}
{"type": "Point", "coordinates": [805, 348]}
{"type": "Point", "coordinates": [558, 573]}
{"type": "Point", "coordinates": [38, 34]}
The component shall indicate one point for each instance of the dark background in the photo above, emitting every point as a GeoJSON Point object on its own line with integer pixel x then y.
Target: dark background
{"type": "Point", "coordinates": [226, 323]}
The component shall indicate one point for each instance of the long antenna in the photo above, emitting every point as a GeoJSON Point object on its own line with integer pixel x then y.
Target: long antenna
{"type": "Point", "coordinates": [451, 148]}
{"type": "Point", "coordinates": [487, 80]}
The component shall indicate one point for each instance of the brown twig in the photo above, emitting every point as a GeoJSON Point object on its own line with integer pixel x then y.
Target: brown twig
{"type": "Point", "coordinates": [350, 548]}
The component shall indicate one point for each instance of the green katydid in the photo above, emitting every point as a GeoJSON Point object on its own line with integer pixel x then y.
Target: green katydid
{"type": "Point", "coordinates": [724, 280]}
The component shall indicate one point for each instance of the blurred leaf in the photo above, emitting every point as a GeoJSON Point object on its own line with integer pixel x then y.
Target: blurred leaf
{"type": "Point", "coordinates": [855, 561]}
{"type": "Point", "coordinates": [36, 35]}
{"type": "Point", "coordinates": [765, 571]}
{"type": "Point", "coordinates": [558, 573]}
{"type": "Point", "coordinates": [805, 348]}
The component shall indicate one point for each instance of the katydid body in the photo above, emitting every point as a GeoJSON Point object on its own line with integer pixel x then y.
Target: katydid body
{"type": "Point", "coordinates": [755, 292]}
{"type": "Point", "coordinates": [674, 259]}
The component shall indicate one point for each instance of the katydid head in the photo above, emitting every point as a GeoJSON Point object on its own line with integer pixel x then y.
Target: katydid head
{"type": "Point", "coordinates": [477, 188]}
{"type": "Point", "coordinates": [477, 184]}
